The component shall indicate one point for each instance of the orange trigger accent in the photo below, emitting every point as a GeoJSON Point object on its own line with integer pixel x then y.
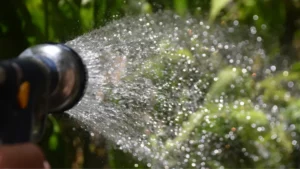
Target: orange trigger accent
{"type": "Point", "coordinates": [23, 94]}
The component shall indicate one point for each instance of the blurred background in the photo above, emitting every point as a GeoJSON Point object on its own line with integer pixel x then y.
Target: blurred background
{"type": "Point", "coordinates": [24, 23]}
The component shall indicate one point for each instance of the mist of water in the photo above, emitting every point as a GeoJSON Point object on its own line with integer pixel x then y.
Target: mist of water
{"type": "Point", "coordinates": [149, 85]}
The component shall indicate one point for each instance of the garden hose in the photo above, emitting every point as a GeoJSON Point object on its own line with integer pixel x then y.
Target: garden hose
{"type": "Point", "coordinates": [46, 78]}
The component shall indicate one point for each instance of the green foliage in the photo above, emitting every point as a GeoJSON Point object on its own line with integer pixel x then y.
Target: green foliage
{"type": "Point", "coordinates": [234, 125]}
{"type": "Point", "coordinates": [119, 159]}
{"type": "Point", "coordinates": [58, 21]}
{"type": "Point", "coordinates": [53, 140]}
{"type": "Point", "coordinates": [28, 22]}
{"type": "Point", "coordinates": [224, 79]}
{"type": "Point", "coordinates": [181, 6]}
{"type": "Point", "coordinates": [276, 88]}
{"type": "Point", "coordinates": [216, 7]}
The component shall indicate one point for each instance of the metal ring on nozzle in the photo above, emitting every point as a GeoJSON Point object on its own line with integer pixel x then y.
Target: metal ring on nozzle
{"type": "Point", "coordinates": [69, 87]}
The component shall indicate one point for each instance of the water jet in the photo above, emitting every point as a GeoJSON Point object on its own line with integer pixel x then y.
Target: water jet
{"type": "Point", "coordinates": [177, 92]}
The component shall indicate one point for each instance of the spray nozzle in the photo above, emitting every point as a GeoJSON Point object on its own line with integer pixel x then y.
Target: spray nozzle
{"type": "Point", "coordinates": [44, 79]}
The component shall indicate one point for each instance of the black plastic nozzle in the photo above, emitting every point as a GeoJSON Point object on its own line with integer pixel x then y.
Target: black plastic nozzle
{"type": "Point", "coordinates": [44, 79]}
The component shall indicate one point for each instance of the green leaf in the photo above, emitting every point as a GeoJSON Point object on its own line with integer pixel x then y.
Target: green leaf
{"type": "Point", "coordinates": [56, 127]}
{"type": "Point", "coordinates": [146, 8]}
{"type": "Point", "coordinates": [225, 78]}
{"type": "Point", "coordinates": [86, 14]}
{"type": "Point", "coordinates": [53, 142]}
{"type": "Point", "coordinates": [3, 28]}
{"type": "Point", "coordinates": [153, 69]}
{"type": "Point", "coordinates": [246, 116]}
{"type": "Point", "coordinates": [181, 6]}
{"type": "Point", "coordinates": [216, 7]}
{"type": "Point", "coordinates": [296, 67]}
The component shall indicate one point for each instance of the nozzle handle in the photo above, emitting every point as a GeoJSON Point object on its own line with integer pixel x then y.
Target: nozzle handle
{"type": "Point", "coordinates": [23, 82]}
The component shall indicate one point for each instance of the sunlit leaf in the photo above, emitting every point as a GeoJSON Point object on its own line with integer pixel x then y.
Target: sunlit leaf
{"type": "Point", "coordinates": [224, 79]}
{"type": "Point", "coordinates": [181, 6]}
{"type": "Point", "coordinates": [296, 67]}
{"type": "Point", "coordinates": [56, 127]}
{"type": "Point", "coordinates": [86, 14]}
{"type": "Point", "coordinates": [216, 7]}
{"type": "Point", "coordinates": [146, 8]}
{"type": "Point", "coordinates": [53, 142]}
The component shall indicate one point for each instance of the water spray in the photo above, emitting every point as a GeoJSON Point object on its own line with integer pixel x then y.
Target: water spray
{"type": "Point", "coordinates": [46, 78]}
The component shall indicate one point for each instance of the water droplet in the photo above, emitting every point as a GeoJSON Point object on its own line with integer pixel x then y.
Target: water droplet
{"type": "Point", "coordinates": [255, 17]}
{"type": "Point", "coordinates": [236, 22]}
{"type": "Point", "coordinates": [263, 26]}
{"type": "Point", "coordinates": [290, 84]}
{"type": "Point", "coordinates": [259, 39]}
{"type": "Point", "coordinates": [273, 68]}
{"type": "Point", "coordinates": [253, 30]}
